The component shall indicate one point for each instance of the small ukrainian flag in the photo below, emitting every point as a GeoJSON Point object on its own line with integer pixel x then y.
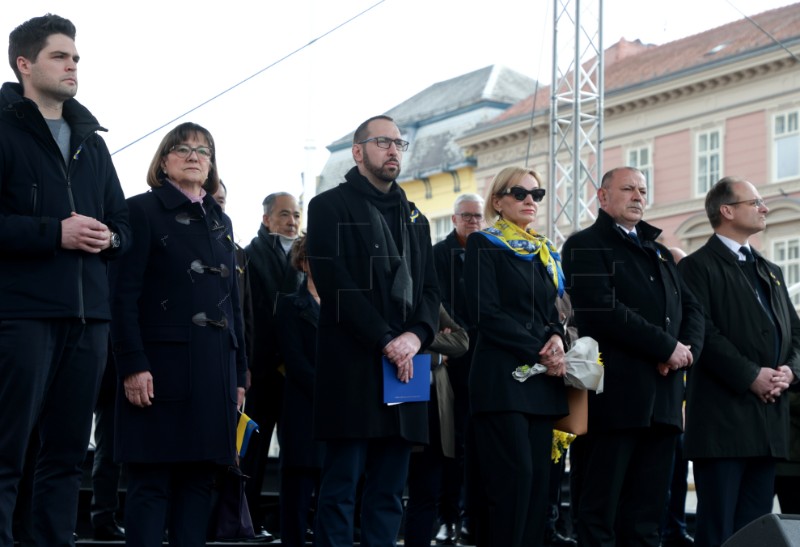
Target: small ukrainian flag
{"type": "Point", "coordinates": [243, 432]}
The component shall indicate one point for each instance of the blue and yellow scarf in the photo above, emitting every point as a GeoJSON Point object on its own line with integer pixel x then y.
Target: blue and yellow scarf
{"type": "Point", "coordinates": [526, 244]}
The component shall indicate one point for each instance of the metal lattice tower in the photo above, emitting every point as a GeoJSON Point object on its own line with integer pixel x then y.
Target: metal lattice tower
{"type": "Point", "coordinates": [576, 115]}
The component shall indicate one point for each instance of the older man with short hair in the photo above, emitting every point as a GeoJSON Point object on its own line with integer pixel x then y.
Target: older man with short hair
{"type": "Point", "coordinates": [448, 256]}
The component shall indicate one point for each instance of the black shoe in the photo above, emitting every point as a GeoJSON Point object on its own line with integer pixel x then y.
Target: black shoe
{"type": "Point", "coordinates": [465, 536]}
{"type": "Point", "coordinates": [262, 536]}
{"type": "Point", "coordinates": [109, 532]}
{"type": "Point", "coordinates": [554, 539]}
{"type": "Point", "coordinates": [684, 540]}
{"type": "Point", "coordinates": [446, 535]}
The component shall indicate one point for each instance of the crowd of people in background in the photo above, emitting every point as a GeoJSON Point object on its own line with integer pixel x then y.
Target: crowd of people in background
{"type": "Point", "coordinates": [146, 314]}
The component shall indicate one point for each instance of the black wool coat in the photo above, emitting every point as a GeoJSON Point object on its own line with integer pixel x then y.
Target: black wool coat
{"type": "Point", "coordinates": [160, 287]}
{"type": "Point", "coordinates": [513, 303]}
{"type": "Point", "coordinates": [356, 313]}
{"type": "Point", "coordinates": [271, 277]}
{"type": "Point", "coordinates": [448, 257]}
{"type": "Point", "coordinates": [723, 417]}
{"type": "Point", "coordinates": [297, 320]}
{"type": "Point", "coordinates": [632, 300]}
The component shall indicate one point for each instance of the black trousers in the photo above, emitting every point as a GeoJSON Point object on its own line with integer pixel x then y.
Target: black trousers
{"type": "Point", "coordinates": [384, 465]}
{"type": "Point", "coordinates": [626, 476]}
{"type": "Point", "coordinates": [171, 496]}
{"type": "Point", "coordinates": [514, 452]}
{"type": "Point", "coordinates": [105, 471]}
{"type": "Point", "coordinates": [425, 482]}
{"type": "Point", "coordinates": [51, 370]}
{"type": "Point", "coordinates": [263, 404]}
{"type": "Point", "coordinates": [297, 501]}
{"type": "Point", "coordinates": [731, 493]}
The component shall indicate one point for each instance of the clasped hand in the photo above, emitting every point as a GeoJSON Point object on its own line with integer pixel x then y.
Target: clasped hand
{"type": "Point", "coordinates": [401, 351]}
{"type": "Point", "coordinates": [84, 233]}
{"type": "Point", "coordinates": [771, 383]}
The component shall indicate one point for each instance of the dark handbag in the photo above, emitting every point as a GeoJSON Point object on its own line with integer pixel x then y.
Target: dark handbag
{"type": "Point", "coordinates": [231, 515]}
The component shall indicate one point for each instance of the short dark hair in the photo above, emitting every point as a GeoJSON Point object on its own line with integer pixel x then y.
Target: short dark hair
{"type": "Point", "coordinates": [720, 194]}
{"type": "Point", "coordinates": [178, 135]}
{"type": "Point", "coordinates": [298, 253]}
{"type": "Point", "coordinates": [269, 201]}
{"type": "Point", "coordinates": [28, 39]}
{"type": "Point", "coordinates": [363, 130]}
{"type": "Point", "coordinates": [606, 180]}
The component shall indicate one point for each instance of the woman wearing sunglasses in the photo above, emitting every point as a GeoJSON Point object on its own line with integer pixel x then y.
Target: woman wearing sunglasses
{"type": "Point", "coordinates": [514, 276]}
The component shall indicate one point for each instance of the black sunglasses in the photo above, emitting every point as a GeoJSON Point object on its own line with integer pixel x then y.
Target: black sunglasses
{"type": "Point", "coordinates": [520, 193]}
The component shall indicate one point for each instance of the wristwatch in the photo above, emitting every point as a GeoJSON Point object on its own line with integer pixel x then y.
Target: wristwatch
{"type": "Point", "coordinates": [114, 240]}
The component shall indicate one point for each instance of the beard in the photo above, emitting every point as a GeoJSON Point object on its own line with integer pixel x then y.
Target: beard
{"type": "Point", "coordinates": [382, 172]}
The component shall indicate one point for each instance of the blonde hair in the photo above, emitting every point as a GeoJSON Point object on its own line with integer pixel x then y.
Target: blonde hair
{"type": "Point", "coordinates": [505, 179]}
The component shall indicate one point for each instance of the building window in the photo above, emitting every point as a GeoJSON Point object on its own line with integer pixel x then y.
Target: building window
{"type": "Point", "coordinates": [708, 160]}
{"type": "Point", "coordinates": [642, 158]}
{"type": "Point", "coordinates": [786, 254]}
{"type": "Point", "coordinates": [441, 226]}
{"type": "Point", "coordinates": [786, 145]}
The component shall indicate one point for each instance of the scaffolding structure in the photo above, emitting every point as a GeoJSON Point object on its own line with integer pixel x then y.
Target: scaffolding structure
{"type": "Point", "coordinates": [576, 116]}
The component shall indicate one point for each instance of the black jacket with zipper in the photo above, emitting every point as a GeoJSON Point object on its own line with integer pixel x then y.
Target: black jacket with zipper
{"type": "Point", "coordinates": [39, 279]}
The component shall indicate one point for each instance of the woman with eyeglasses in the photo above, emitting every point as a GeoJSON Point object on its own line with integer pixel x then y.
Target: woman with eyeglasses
{"type": "Point", "coordinates": [178, 343]}
{"type": "Point", "coordinates": [514, 277]}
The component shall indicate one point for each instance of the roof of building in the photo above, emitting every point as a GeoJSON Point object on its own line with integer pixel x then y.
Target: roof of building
{"type": "Point", "coordinates": [433, 118]}
{"type": "Point", "coordinates": [629, 64]}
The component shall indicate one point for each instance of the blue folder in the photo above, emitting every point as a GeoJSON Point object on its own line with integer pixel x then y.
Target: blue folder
{"type": "Point", "coordinates": [417, 389]}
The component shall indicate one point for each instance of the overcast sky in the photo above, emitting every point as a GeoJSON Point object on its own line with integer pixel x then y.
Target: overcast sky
{"type": "Point", "coordinates": [145, 63]}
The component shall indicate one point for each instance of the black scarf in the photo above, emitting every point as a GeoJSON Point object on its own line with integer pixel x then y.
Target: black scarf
{"type": "Point", "coordinates": [389, 213]}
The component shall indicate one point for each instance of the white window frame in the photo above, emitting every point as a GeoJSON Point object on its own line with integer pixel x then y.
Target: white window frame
{"type": "Point", "coordinates": [786, 254]}
{"type": "Point", "coordinates": [441, 226]}
{"type": "Point", "coordinates": [705, 174]}
{"type": "Point", "coordinates": [634, 155]}
{"type": "Point", "coordinates": [785, 126]}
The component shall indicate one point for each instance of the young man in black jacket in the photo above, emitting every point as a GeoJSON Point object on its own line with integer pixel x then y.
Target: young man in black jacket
{"type": "Point", "coordinates": [62, 216]}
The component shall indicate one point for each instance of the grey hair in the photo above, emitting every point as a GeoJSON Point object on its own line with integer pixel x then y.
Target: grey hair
{"type": "Point", "coordinates": [269, 201]}
{"type": "Point", "coordinates": [467, 198]}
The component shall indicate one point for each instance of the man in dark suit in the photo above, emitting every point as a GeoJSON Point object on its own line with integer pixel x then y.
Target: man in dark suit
{"type": "Point", "coordinates": [737, 423]}
{"type": "Point", "coordinates": [628, 296]}
{"type": "Point", "coordinates": [370, 255]}
{"type": "Point", "coordinates": [448, 256]}
{"type": "Point", "coordinates": [271, 276]}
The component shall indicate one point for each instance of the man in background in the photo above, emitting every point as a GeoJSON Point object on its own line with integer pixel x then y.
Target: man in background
{"type": "Point", "coordinates": [448, 256]}
{"type": "Point", "coordinates": [271, 276]}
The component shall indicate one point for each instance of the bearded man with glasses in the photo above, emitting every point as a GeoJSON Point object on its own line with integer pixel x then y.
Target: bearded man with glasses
{"type": "Point", "coordinates": [369, 250]}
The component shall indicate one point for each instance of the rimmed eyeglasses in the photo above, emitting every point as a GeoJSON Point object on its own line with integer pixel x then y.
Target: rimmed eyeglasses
{"type": "Point", "coordinates": [183, 151]}
{"type": "Point", "coordinates": [757, 203]}
{"type": "Point", "coordinates": [386, 143]}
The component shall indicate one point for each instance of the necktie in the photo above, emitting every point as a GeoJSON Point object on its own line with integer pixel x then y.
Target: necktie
{"type": "Point", "coordinates": [748, 254]}
{"type": "Point", "coordinates": [635, 238]}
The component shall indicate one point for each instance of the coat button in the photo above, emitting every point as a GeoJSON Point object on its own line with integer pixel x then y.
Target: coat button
{"type": "Point", "coordinates": [651, 278]}
{"type": "Point", "coordinates": [377, 246]}
{"type": "Point", "coordinates": [528, 326]}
